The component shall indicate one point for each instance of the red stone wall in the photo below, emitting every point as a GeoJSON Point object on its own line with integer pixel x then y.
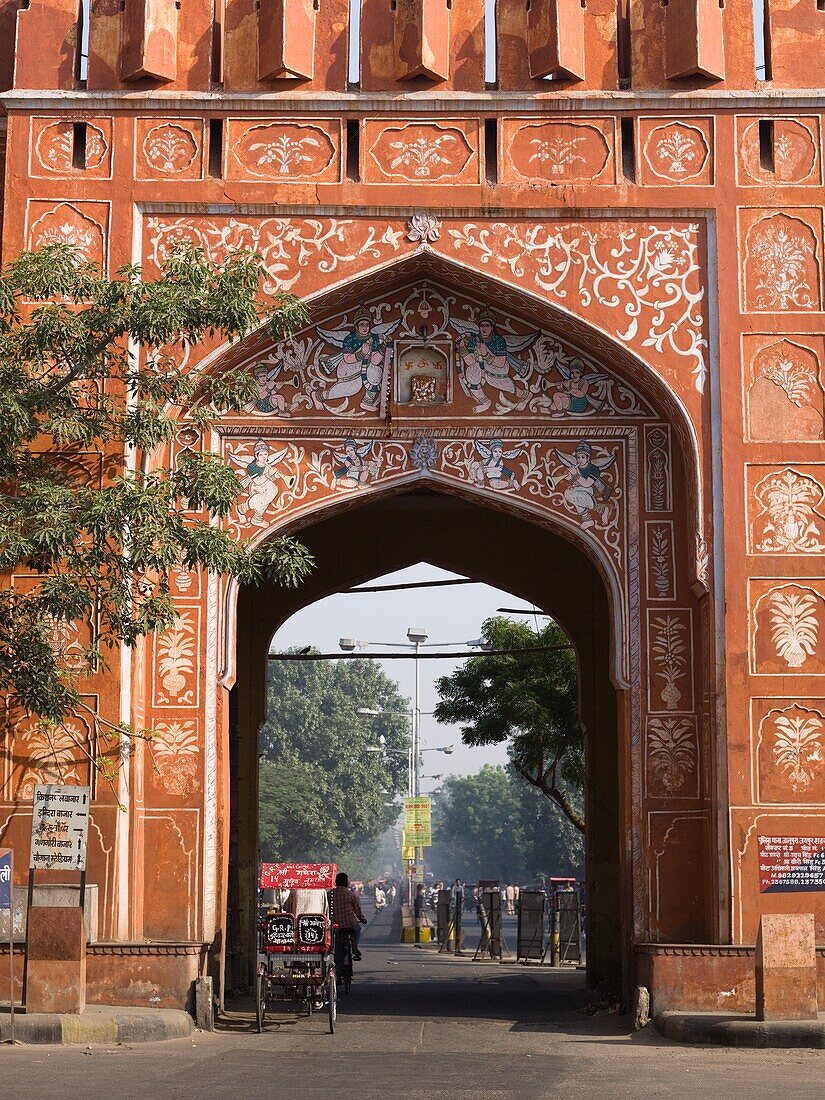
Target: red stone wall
{"type": "Point", "coordinates": [670, 227]}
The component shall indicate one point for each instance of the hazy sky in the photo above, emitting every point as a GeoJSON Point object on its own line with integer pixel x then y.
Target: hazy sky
{"type": "Point", "coordinates": [452, 614]}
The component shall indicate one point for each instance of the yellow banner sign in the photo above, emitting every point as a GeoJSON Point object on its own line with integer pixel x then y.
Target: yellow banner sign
{"type": "Point", "coordinates": [419, 835]}
{"type": "Point", "coordinates": [417, 811]}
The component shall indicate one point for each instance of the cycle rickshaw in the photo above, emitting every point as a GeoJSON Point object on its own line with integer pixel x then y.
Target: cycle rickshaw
{"type": "Point", "coordinates": [295, 956]}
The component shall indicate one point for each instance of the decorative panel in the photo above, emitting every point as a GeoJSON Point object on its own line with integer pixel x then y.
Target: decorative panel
{"type": "Point", "coordinates": [284, 150]}
{"type": "Point", "coordinates": [412, 151]}
{"type": "Point", "coordinates": [557, 150]}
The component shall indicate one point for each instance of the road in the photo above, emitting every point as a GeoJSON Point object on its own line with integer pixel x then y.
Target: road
{"type": "Point", "coordinates": [420, 1025]}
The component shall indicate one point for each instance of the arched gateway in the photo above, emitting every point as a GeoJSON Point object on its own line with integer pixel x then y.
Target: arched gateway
{"type": "Point", "coordinates": [566, 337]}
{"type": "Point", "coordinates": [459, 417]}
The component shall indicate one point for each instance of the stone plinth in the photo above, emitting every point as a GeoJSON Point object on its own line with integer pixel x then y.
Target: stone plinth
{"type": "Point", "coordinates": [56, 976]}
{"type": "Point", "coordinates": [786, 967]}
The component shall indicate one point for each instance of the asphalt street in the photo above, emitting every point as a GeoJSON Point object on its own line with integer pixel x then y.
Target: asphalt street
{"type": "Point", "coordinates": [421, 1025]}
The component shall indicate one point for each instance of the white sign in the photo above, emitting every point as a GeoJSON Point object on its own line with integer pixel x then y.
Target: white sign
{"type": "Point", "coordinates": [60, 825]}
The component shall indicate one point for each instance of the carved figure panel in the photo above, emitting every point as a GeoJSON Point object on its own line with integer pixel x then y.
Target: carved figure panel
{"type": "Point", "coordinates": [782, 260]}
{"type": "Point", "coordinates": [558, 150]}
{"type": "Point", "coordinates": [784, 397]}
{"type": "Point", "coordinates": [81, 224]}
{"type": "Point", "coordinates": [672, 757]}
{"type": "Point", "coordinates": [579, 481]}
{"type": "Point", "coordinates": [420, 152]}
{"type": "Point", "coordinates": [675, 151]}
{"type": "Point", "coordinates": [792, 157]}
{"type": "Point", "coordinates": [661, 560]}
{"type": "Point", "coordinates": [670, 660]}
{"type": "Point", "coordinates": [53, 152]}
{"type": "Point", "coordinates": [787, 627]}
{"type": "Point", "coordinates": [284, 150]}
{"type": "Point", "coordinates": [169, 149]}
{"type": "Point", "coordinates": [789, 753]}
{"type": "Point", "coordinates": [785, 509]}
{"type": "Point", "coordinates": [482, 363]}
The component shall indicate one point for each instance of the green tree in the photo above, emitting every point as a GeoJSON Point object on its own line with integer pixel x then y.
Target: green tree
{"type": "Point", "coordinates": [528, 701]}
{"type": "Point", "coordinates": [90, 365]}
{"type": "Point", "coordinates": [323, 785]}
{"type": "Point", "coordinates": [494, 825]}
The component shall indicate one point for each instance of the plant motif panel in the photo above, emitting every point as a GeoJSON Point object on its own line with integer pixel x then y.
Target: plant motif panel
{"type": "Point", "coordinates": [427, 346]}
{"type": "Point", "coordinates": [795, 152]}
{"type": "Point", "coordinates": [640, 280]}
{"type": "Point", "coordinates": [52, 148]}
{"type": "Point", "coordinates": [785, 510]}
{"type": "Point", "coordinates": [672, 757]}
{"type": "Point", "coordinates": [661, 560]}
{"type": "Point", "coordinates": [176, 668]}
{"type": "Point", "coordinates": [790, 743]}
{"type": "Point", "coordinates": [558, 151]}
{"type": "Point", "coordinates": [70, 641]}
{"type": "Point", "coordinates": [284, 150]}
{"type": "Point", "coordinates": [658, 481]}
{"type": "Point", "coordinates": [84, 225]}
{"type": "Point", "coordinates": [43, 753]}
{"type": "Point", "coordinates": [416, 152]}
{"type": "Point", "coordinates": [175, 752]}
{"type": "Point", "coordinates": [581, 482]}
{"type": "Point", "coordinates": [784, 395]}
{"type": "Point", "coordinates": [670, 660]}
{"type": "Point", "coordinates": [676, 152]}
{"type": "Point", "coordinates": [171, 149]}
{"type": "Point", "coordinates": [782, 261]}
{"type": "Point", "coordinates": [787, 625]}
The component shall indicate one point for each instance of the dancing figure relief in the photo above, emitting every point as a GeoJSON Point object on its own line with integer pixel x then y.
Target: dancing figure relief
{"type": "Point", "coordinates": [361, 365]}
{"type": "Point", "coordinates": [487, 358]}
{"type": "Point", "coordinates": [589, 493]}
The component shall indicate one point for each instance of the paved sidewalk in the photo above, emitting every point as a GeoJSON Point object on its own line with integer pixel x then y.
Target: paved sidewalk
{"type": "Point", "coordinates": [98, 1025]}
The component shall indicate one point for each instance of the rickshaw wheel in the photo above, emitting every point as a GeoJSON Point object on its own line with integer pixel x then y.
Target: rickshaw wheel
{"type": "Point", "coordinates": [332, 1001]}
{"type": "Point", "coordinates": [260, 1001]}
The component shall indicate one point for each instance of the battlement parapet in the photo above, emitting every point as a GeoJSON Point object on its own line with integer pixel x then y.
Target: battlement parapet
{"type": "Point", "coordinates": [403, 46]}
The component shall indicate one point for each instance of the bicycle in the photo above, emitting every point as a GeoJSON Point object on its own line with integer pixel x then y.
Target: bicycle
{"type": "Point", "coordinates": [343, 956]}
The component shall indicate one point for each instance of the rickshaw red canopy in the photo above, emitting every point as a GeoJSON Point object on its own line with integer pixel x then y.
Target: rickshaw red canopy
{"type": "Point", "coordinates": [298, 876]}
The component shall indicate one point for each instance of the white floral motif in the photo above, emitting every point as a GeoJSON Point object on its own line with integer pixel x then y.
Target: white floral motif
{"type": "Point", "coordinates": [646, 276]}
{"type": "Point", "coordinates": [285, 153]}
{"type": "Point", "coordinates": [661, 561]}
{"type": "Point", "coordinates": [679, 151]}
{"type": "Point", "coordinates": [557, 153]}
{"type": "Point", "coordinates": [669, 657]}
{"type": "Point", "coordinates": [671, 751]}
{"type": "Point", "coordinates": [176, 659]}
{"type": "Point", "coordinates": [169, 149]}
{"type": "Point", "coordinates": [794, 626]}
{"type": "Point", "coordinates": [66, 233]}
{"type": "Point", "coordinates": [424, 453]}
{"type": "Point", "coordinates": [785, 261]}
{"type": "Point", "coordinates": [791, 525]}
{"type": "Point", "coordinates": [52, 753]}
{"type": "Point", "coordinates": [792, 375]}
{"type": "Point", "coordinates": [423, 228]}
{"type": "Point", "coordinates": [797, 747]}
{"type": "Point", "coordinates": [421, 154]}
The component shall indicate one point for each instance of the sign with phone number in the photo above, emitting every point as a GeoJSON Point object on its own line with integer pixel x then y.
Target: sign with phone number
{"type": "Point", "coordinates": [791, 864]}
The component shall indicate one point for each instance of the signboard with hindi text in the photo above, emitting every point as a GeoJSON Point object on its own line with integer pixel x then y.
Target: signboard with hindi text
{"type": "Point", "coordinates": [6, 874]}
{"type": "Point", "coordinates": [791, 864]}
{"type": "Point", "coordinates": [419, 835]}
{"type": "Point", "coordinates": [298, 876]}
{"type": "Point", "coordinates": [60, 827]}
{"type": "Point", "coordinates": [418, 811]}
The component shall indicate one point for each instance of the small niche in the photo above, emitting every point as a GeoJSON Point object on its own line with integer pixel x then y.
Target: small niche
{"type": "Point", "coordinates": [353, 150]}
{"type": "Point", "coordinates": [216, 148]}
{"type": "Point", "coordinates": [79, 145]}
{"type": "Point", "coordinates": [491, 150]}
{"type": "Point", "coordinates": [766, 159]}
{"type": "Point", "coordinates": [628, 150]}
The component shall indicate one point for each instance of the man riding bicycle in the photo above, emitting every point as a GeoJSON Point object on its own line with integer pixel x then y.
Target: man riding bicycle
{"type": "Point", "coordinates": [345, 910]}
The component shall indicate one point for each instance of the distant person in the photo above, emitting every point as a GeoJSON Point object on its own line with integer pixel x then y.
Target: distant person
{"type": "Point", "coordinates": [419, 901]}
{"type": "Point", "coordinates": [516, 895]}
{"type": "Point", "coordinates": [380, 898]}
{"type": "Point", "coordinates": [345, 910]}
{"type": "Point", "coordinates": [391, 892]}
{"type": "Point", "coordinates": [511, 899]}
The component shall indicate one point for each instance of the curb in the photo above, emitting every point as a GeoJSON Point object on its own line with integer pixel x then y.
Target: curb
{"type": "Point", "coordinates": [740, 1031]}
{"type": "Point", "coordinates": [98, 1028]}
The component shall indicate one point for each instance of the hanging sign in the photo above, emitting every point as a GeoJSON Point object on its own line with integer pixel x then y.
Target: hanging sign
{"type": "Point", "coordinates": [418, 811]}
{"type": "Point", "coordinates": [6, 879]}
{"type": "Point", "coordinates": [298, 876]}
{"type": "Point", "coordinates": [419, 835]}
{"type": "Point", "coordinates": [60, 827]}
